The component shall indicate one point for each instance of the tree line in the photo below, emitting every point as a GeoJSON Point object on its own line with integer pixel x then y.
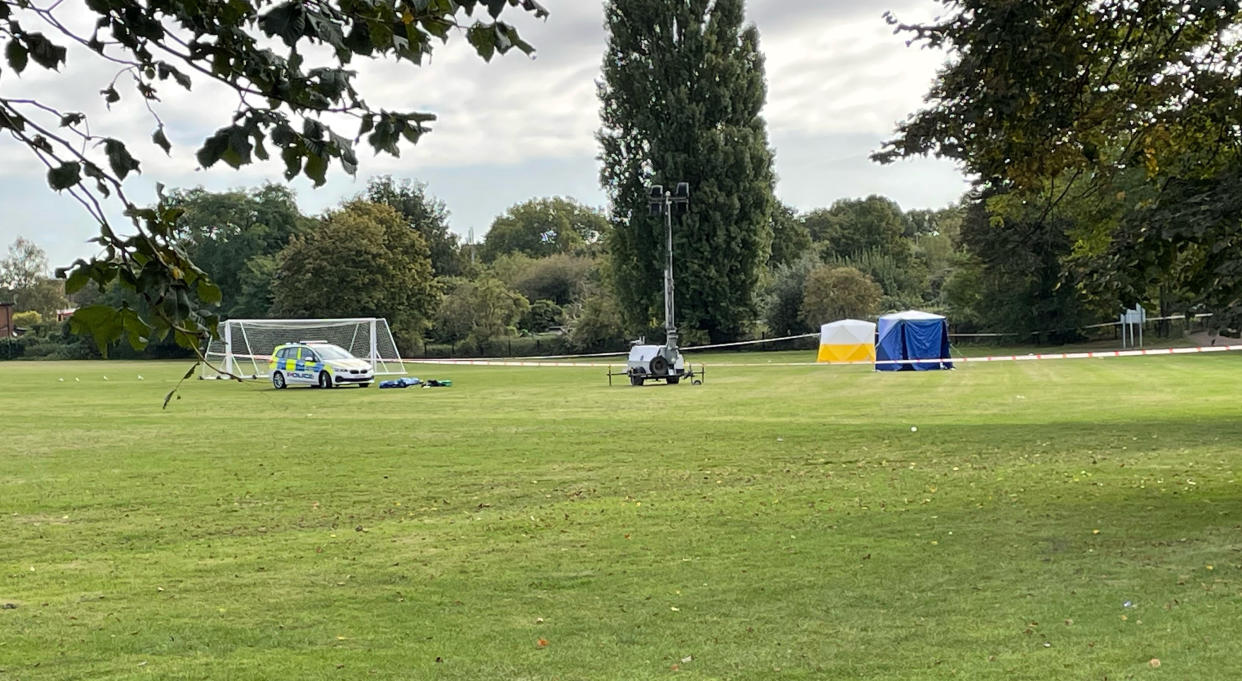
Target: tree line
{"type": "Point", "coordinates": [1100, 138]}
{"type": "Point", "coordinates": [546, 269]}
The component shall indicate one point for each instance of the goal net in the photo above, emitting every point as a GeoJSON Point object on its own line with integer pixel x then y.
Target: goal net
{"type": "Point", "coordinates": [245, 345]}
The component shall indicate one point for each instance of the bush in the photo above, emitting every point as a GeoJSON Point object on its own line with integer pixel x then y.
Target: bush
{"type": "Point", "coordinates": [479, 311]}
{"type": "Point", "coordinates": [782, 300]}
{"type": "Point", "coordinates": [524, 346]}
{"type": "Point", "coordinates": [833, 293]}
{"type": "Point", "coordinates": [559, 278]}
{"type": "Point", "coordinates": [27, 319]}
{"type": "Point", "coordinates": [901, 278]}
{"type": "Point", "coordinates": [596, 323]}
{"type": "Point", "coordinates": [542, 316]}
{"type": "Point", "coordinates": [55, 349]}
{"type": "Point", "coordinates": [13, 348]}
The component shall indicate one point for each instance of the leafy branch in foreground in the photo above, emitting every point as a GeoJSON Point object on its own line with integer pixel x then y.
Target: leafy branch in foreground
{"type": "Point", "coordinates": [287, 64]}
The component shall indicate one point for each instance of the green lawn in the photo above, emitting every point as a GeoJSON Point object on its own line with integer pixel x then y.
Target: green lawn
{"type": "Point", "coordinates": [779, 523]}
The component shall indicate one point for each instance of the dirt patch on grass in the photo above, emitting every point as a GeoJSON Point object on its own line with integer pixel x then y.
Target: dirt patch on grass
{"type": "Point", "coordinates": [41, 519]}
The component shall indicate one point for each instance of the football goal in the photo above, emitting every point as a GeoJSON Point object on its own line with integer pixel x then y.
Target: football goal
{"type": "Point", "coordinates": [245, 345]}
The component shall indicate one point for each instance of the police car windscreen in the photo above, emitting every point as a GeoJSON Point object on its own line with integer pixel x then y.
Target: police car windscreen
{"type": "Point", "coordinates": [331, 352]}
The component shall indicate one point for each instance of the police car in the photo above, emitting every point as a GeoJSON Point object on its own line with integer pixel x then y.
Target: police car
{"type": "Point", "coordinates": [317, 363]}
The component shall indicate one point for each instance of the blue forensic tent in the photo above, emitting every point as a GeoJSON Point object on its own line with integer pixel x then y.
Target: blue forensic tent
{"type": "Point", "coordinates": [912, 335]}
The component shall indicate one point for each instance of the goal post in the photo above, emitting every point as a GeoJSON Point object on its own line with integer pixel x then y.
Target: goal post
{"type": "Point", "coordinates": [245, 346]}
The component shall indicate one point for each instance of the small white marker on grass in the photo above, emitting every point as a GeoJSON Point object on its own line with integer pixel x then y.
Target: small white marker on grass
{"type": "Point", "coordinates": [914, 429]}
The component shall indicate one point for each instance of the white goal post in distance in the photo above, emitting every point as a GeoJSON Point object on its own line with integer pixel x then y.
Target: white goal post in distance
{"type": "Point", "coordinates": [245, 345]}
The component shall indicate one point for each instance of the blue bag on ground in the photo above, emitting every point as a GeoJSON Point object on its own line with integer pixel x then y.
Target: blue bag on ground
{"type": "Point", "coordinates": [409, 382]}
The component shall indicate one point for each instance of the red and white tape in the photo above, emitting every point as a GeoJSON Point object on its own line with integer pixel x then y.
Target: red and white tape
{"type": "Point", "coordinates": [1099, 354]}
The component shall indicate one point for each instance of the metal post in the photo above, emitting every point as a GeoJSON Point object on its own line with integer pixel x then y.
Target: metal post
{"type": "Point", "coordinates": [670, 328]}
{"type": "Point", "coordinates": [374, 347]}
{"type": "Point", "coordinates": [228, 348]}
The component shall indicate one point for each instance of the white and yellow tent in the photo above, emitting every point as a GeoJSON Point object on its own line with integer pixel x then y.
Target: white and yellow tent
{"type": "Point", "coordinates": [848, 340]}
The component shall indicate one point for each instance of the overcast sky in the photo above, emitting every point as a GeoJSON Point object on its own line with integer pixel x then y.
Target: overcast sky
{"type": "Point", "coordinates": [520, 128]}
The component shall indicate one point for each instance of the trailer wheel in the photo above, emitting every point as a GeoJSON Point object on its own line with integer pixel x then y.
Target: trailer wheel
{"type": "Point", "coordinates": [659, 365]}
{"type": "Point", "coordinates": [673, 380]}
{"type": "Point", "coordinates": [636, 380]}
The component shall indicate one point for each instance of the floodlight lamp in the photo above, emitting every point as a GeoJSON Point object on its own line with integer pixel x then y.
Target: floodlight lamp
{"type": "Point", "coordinates": [656, 192]}
{"type": "Point", "coordinates": [682, 191]}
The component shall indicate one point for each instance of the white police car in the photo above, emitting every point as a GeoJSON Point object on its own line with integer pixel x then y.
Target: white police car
{"type": "Point", "coordinates": [317, 363]}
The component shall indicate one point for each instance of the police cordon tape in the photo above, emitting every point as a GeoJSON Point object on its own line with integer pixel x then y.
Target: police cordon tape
{"type": "Point", "coordinates": [550, 361]}
{"type": "Point", "coordinates": [621, 353]}
{"type": "Point", "coordinates": [1099, 354]}
{"type": "Point", "coordinates": [535, 361]}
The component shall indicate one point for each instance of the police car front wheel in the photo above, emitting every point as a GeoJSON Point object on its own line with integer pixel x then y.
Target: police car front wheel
{"type": "Point", "coordinates": [325, 381]}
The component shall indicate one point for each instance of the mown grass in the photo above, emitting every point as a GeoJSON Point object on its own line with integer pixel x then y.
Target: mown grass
{"type": "Point", "coordinates": [779, 523]}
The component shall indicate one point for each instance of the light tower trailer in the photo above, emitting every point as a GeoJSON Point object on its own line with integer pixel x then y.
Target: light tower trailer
{"type": "Point", "coordinates": [651, 363]}
{"type": "Point", "coordinates": [663, 362]}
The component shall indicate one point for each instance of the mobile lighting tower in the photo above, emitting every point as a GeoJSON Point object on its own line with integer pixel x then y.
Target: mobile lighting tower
{"type": "Point", "coordinates": [663, 362]}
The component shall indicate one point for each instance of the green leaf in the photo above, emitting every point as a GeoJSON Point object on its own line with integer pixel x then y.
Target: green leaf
{"type": "Point", "coordinates": [316, 168]}
{"type": "Point", "coordinates": [186, 340]}
{"type": "Point", "coordinates": [213, 148]}
{"type": "Point", "coordinates": [42, 144]}
{"type": "Point", "coordinates": [162, 140]}
{"type": "Point", "coordinates": [101, 322]}
{"type": "Point", "coordinates": [208, 292]}
{"type": "Point", "coordinates": [286, 21]}
{"type": "Point", "coordinates": [292, 157]}
{"type": "Point", "coordinates": [49, 55]}
{"type": "Point", "coordinates": [64, 175]}
{"type": "Point", "coordinates": [12, 121]}
{"type": "Point", "coordinates": [17, 55]}
{"type": "Point", "coordinates": [166, 70]}
{"type": "Point", "coordinates": [483, 39]}
{"type": "Point", "coordinates": [79, 277]}
{"type": "Point", "coordinates": [182, 79]}
{"type": "Point", "coordinates": [237, 153]}
{"type": "Point", "coordinates": [136, 329]}
{"type": "Point", "coordinates": [119, 158]}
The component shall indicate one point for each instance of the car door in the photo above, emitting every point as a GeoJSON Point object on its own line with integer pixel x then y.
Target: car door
{"type": "Point", "coordinates": [308, 366]}
{"type": "Point", "coordinates": [295, 370]}
{"type": "Point", "coordinates": [282, 363]}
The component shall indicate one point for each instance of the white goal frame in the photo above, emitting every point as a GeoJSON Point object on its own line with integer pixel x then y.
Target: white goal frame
{"type": "Point", "coordinates": [232, 355]}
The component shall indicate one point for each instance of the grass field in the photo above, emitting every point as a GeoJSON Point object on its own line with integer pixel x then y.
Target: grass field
{"type": "Point", "coordinates": [1048, 520]}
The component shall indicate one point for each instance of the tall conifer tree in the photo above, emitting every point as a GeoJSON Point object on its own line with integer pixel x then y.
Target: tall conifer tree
{"type": "Point", "coordinates": [681, 96]}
